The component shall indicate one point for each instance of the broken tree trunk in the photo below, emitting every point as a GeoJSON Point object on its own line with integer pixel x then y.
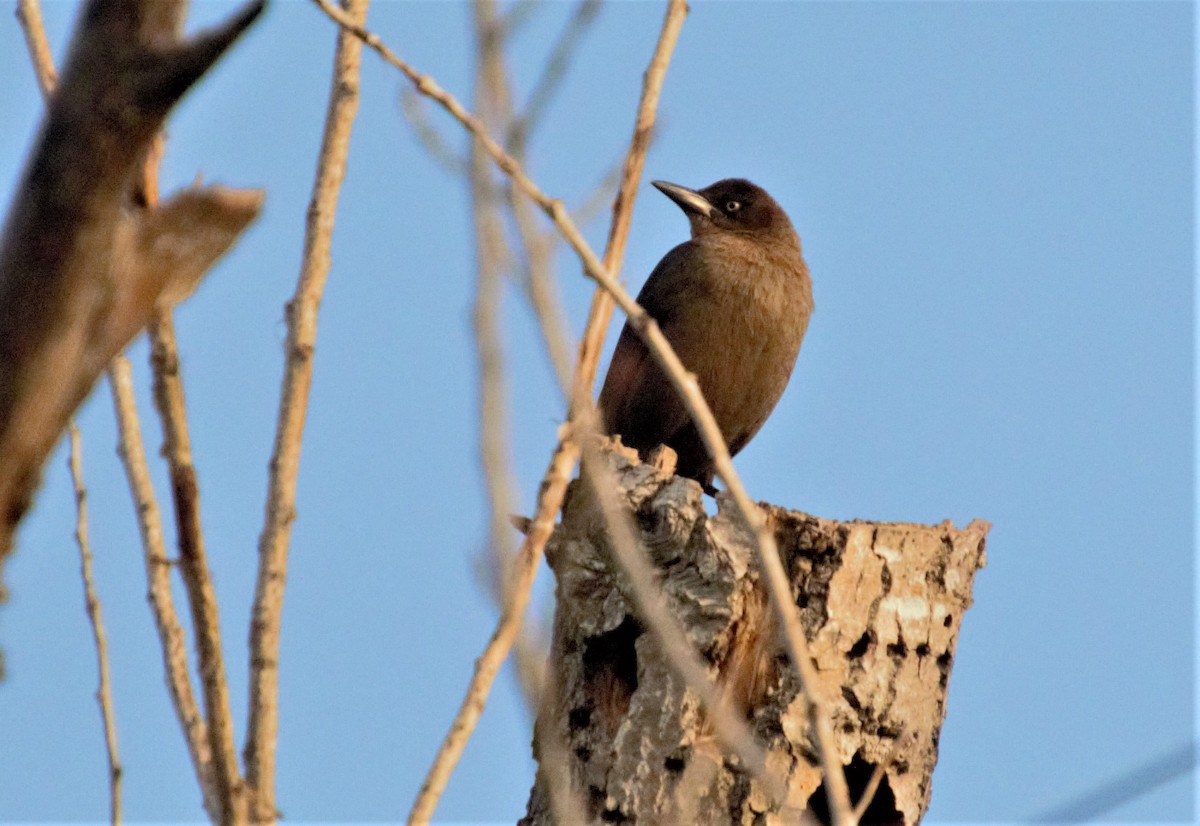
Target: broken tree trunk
{"type": "Point", "coordinates": [881, 604]}
{"type": "Point", "coordinates": [84, 261]}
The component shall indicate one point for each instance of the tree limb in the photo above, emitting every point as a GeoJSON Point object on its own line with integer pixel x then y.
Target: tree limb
{"type": "Point", "coordinates": [193, 565]}
{"type": "Point", "coordinates": [171, 637]}
{"type": "Point", "coordinates": [80, 273]}
{"type": "Point", "coordinates": [263, 727]}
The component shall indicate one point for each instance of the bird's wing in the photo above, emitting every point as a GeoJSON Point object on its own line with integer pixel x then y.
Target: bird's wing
{"type": "Point", "coordinates": [676, 282]}
{"type": "Point", "coordinates": [637, 400]}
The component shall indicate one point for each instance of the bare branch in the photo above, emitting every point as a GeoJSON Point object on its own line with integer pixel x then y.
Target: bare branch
{"type": "Point", "coordinates": [552, 76]}
{"type": "Point", "coordinates": [29, 14]}
{"type": "Point", "coordinates": [524, 570]}
{"type": "Point", "coordinates": [518, 14]}
{"type": "Point", "coordinates": [494, 103]}
{"type": "Point", "coordinates": [80, 273]}
{"type": "Point", "coordinates": [193, 565]}
{"type": "Point", "coordinates": [492, 257]}
{"type": "Point", "coordinates": [435, 144]}
{"type": "Point", "coordinates": [96, 618]}
{"type": "Point", "coordinates": [158, 577]}
{"type": "Point", "coordinates": [262, 732]}
{"type": "Point", "coordinates": [540, 286]}
{"type": "Point", "coordinates": [531, 645]}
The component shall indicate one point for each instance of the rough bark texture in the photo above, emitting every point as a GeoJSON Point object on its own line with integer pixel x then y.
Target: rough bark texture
{"type": "Point", "coordinates": [881, 603]}
{"type": "Point", "coordinates": [84, 260]}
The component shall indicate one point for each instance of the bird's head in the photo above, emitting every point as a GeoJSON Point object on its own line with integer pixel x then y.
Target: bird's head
{"type": "Point", "coordinates": [731, 205]}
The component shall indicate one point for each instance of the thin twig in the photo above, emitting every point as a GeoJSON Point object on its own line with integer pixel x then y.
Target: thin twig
{"type": "Point", "coordinates": [96, 618]}
{"type": "Point", "coordinates": [508, 626]}
{"type": "Point", "coordinates": [552, 76]}
{"type": "Point", "coordinates": [684, 382]}
{"type": "Point", "coordinates": [193, 563]}
{"type": "Point", "coordinates": [262, 732]}
{"type": "Point", "coordinates": [531, 645]}
{"type": "Point", "coordinates": [493, 254]}
{"type": "Point", "coordinates": [435, 144]}
{"type": "Point", "coordinates": [517, 15]}
{"type": "Point", "coordinates": [602, 193]}
{"type": "Point", "coordinates": [29, 15]}
{"type": "Point", "coordinates": [540, 284]}
{"type": "Point", "coordinates": [158, 577]}
{"type": "Point", "coordinates": [185, 489]}
{"type": "Point", "coordinates": [494, 103]}
{"type": "Point", "coordinates": [541, 287]}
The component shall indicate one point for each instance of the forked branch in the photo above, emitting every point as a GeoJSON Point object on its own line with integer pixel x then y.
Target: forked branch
{"type": "Point", "coordinates": [80, 274]}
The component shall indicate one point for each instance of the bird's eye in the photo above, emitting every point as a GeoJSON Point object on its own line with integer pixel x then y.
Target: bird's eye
{"type": "Point", "coordinates": [732, 206]}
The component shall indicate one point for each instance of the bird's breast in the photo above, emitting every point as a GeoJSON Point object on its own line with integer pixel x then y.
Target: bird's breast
{"type": "Point", "coordinates": [745, 344]}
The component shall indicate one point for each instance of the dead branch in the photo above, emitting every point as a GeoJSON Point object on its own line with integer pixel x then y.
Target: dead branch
{"type": "Point", "coordinates": [193, 563]}
{"type": "Point", "coordinates": [262, 732]}
{"type": "Point", "coordinates": [29, 15]}
{"type": "Point", "coordinates": [80, 274]}
{"type": "Point", "coordinates": [413, 106]}
{"type": "Point", "coordinates": [96, 619]}
{"type": "Point", "coordinates": [492, 257]}
{"type": "Point", "coordinates": [551, 77]}
{"type": "Point", "coordinates": [158, 578]}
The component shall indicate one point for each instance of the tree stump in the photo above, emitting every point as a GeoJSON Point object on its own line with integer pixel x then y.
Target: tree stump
{"type": "Point", "coordinates": [881, 604]}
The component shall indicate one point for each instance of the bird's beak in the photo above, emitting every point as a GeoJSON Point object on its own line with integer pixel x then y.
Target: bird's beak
{"type": "Point", "coordinates": [690, 201]}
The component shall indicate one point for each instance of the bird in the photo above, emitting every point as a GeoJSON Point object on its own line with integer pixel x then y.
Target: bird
{"type": "Point", "coordinates": [734, 301]}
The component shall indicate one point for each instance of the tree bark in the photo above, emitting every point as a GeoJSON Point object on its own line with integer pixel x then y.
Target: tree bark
{"type": "Point", "coordinates": [881, 603]}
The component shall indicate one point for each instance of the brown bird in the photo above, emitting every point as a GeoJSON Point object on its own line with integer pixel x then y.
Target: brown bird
{"type": "Point", "coordinates": [734, 302]}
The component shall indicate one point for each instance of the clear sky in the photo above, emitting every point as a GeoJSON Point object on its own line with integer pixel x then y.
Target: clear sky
{"type": "Point", "coordinates": [996, 203]}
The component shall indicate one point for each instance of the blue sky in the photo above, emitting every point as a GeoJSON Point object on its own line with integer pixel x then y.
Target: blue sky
{"type": "Point", "coordinates": [996, 204]}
